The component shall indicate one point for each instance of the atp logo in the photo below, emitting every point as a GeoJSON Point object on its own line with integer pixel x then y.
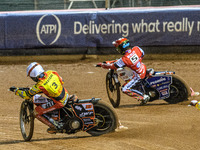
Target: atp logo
{"type": "Point", "coordinates": [48, 29]}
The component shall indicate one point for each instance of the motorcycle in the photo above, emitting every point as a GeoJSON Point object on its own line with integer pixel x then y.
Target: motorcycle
{"type": "Point", "coordinates": [90, 115]}
{"type": "Point", "coordinates": [163, 85]}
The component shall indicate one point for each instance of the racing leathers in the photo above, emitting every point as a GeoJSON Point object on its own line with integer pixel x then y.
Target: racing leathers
{"type": "Point", "coordinates": [133, 60]}
{"type": "Point", "coordinates": [51, 84]}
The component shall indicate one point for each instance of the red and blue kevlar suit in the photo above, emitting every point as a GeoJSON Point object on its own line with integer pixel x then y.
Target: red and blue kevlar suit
{"type": "Point", "coordinates": [51, 84]}
{"type": "Point", "coordinates": [133, 60]}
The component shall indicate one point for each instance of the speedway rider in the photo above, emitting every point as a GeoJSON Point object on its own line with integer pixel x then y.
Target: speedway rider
{"type": "Point", "coordinates": [132, 58]}
{"type": "Point", "coordinates": [49, 83]}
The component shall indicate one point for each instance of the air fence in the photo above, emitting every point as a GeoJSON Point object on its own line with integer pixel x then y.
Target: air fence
{"type": "Point", "coordinates": [165, 26]}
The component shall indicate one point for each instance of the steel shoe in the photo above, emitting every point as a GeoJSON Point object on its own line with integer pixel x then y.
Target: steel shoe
{"type": "Point", "coordinates": [51, 131]}
{"type": "Point", "coordinates": [145, 99]}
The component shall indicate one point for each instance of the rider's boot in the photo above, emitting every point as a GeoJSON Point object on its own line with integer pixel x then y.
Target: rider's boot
{"type": "Point", "coordinates": [52, 130]}
{"type": "Point", "coordinates": [56, 126]}
{"type": "Point", "coordinates": [145, 99]}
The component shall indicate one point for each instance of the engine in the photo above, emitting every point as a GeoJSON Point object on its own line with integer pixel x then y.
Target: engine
{"type": "Point", "coordinates": [72, 125]}
{"type": "Point", "coordinates": [152, 93]}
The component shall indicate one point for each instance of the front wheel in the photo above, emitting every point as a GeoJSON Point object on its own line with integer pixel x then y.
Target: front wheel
{"type": "Point", "coordinates": [113, 90]}
{"type": "Point", "coordinates": [106, 119]}
{"type": "Point", "coordinates": [26, 120]}
{"type": "Point", "coordinates": [179, 91]}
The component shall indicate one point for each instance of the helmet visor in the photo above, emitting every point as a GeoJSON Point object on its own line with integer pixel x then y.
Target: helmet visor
{"type": "Point", "coordinates": [123, 47]}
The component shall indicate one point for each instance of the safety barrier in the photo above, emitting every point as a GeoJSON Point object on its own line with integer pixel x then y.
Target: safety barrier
{"type": "Point", "coordinates": [98, 28]}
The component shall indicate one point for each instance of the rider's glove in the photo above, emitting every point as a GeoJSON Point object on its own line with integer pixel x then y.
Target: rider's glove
{"type": "Point", "coordinates": [106, 65]}
{"type": "Point", "coordinates": [13, 89]}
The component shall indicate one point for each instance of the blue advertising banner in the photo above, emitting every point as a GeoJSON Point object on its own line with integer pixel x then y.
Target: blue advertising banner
{"type": "Point", "coordinates": [71, 29]}
{"type": "Point", "coordinates": [2, 31]}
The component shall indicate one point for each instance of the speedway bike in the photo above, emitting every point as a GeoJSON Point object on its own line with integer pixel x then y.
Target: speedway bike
{"type": "Point", "coordinates": [89, 115]}
{"type": "Point", "coordinates": [159, 85]}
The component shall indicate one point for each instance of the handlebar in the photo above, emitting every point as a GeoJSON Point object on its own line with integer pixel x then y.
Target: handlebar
{"type": "Point", "coordinates": [24, 89]}
{"type": "Point", "coordinates": [20, 88]}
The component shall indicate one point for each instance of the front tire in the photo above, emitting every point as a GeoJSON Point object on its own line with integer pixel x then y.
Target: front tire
{"type": "Point", "coordinates": [26, 120]}
{"type": "Point", "coordinates": [179, 91]}
{"type": "Point", "coordinates": [106, 119]}
{"type": "Point", "coordinates": [113, 90]}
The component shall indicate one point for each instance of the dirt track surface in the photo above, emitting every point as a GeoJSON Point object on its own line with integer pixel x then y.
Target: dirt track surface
{"type": "Point", "coordinates": [156, 126]}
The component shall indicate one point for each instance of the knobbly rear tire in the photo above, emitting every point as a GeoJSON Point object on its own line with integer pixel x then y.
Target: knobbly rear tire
{"type": "Point", "coordinates": [179, 91]}
{"type": "Point", "coordinates": [108, 119]}
{"type": "Point", "coordinates": [26, 120]}
{"type": "Point", "coordinates": [113, 90]}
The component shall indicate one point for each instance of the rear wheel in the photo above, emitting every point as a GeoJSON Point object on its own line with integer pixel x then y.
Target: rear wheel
{"type": "Point", "coordinates": [26, 120]}
{"type": "Point", "coordinates": [106, 119]}
{"type": "Point", "coordinates": [113, 90]}
{"type": "Point", "coordinates": [179, 91]}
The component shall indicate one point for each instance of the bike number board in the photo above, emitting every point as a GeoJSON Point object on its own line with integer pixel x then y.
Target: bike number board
{"type": "Point", "coordinates": [161, 84]}
{"type": "Point", "coordinates": [85, 111]}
